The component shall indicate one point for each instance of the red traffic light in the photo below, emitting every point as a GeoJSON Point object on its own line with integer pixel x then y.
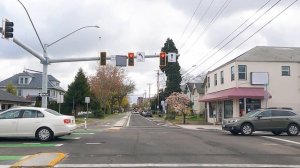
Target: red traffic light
{"type": "Point", "coordinates": [130, 59]}
{"type": "Point", "coordinates": [162, 54]}
{"type": "Point", "coordinates": [130, 55]}
{"type": "Point", "coordinates": [162, 59]}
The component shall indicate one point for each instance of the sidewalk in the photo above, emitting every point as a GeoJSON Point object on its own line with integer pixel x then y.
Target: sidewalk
{"type": "Point", "coordinates": [201, 127]}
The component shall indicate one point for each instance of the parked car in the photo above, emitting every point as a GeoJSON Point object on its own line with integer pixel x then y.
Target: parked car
{"type": "Point", "coordinates": [147, 114]}
{"type": "Point", "coordinates": [33, 122]}
{"type": "Point", "coordinates": [276, 120]}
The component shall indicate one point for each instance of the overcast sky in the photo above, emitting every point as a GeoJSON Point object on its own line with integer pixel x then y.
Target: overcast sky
{"type": "Point", "coordinates": [141, 25]}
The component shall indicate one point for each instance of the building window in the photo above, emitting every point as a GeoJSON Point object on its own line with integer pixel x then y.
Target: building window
{"type": "Point", "coordinates": [232, 73]}
{"type": "Point", "coordinates": [208, 82]}
{"type": "Point", "coordinates": [242, 72]}
{"type": "Point", "coordinates": [285, 71]}
{"type": "Point", "coordinates": [216, 79]}
{"type": "Point", "coordinates": [21, 80]}
{"type": "Point", "coordinates": [20, 93]}
{"type": "Point", "coordinates": [222, 77]}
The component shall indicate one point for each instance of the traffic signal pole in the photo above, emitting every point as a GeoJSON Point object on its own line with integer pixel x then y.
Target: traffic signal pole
{"type": "Point", "coordinates": [45, 61]}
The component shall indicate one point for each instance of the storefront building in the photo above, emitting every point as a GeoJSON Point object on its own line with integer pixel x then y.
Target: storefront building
{"type": "Point", "coordinates": [262, 77]}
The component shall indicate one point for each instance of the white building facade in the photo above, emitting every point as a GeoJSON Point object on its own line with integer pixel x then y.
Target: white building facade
{"type": "Point", "coordinates": [262, 77]}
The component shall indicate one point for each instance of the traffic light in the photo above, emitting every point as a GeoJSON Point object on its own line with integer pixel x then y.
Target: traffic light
{"type": "Point", "coordinates": [8, 29]}
{"type": "Point", "coordinates": [103, 58]}
{"type": "Point", "coordinates": [130, 59]}
{"type": "Point", "coordinates": [162, 59]}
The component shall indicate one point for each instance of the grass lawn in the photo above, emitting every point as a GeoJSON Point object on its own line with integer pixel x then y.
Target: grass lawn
{"type": "Point", "coordinates": [195, 119]}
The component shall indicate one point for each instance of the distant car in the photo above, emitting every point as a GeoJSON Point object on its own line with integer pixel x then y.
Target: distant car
{"type": "Point", "coordinates": [33, 122]}
{"type": "Point", "coordinates": [135, 112]}
{"type": "Point", "coordinates": [276, 120]}
{"type": "Point", "coordinates": [147, 114]}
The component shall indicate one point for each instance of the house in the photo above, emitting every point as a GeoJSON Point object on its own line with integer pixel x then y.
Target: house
{"type": "Point", "coordinates": [8, 100]}
{"type": "Point", "coordinates": [261, 77]}
{"type": "Point", "coordinates": [194, 92]}
{"type": "Point", "coordinates": [29, 85]}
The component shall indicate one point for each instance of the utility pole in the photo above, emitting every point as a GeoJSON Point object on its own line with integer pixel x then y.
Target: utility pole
{"type": "Point", "coordinates": [149, 89]}
{"type": "Point", "coordinates": [157, 107]}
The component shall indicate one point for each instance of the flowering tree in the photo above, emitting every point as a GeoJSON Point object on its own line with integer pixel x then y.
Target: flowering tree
{"type": "Point", "coordinates": [178, 104]}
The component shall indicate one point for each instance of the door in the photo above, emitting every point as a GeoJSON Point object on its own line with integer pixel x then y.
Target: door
{"type": "Point", "coordinates": [9, 122]}
{"type": "Point", "coordinates": [263, 123]}
{"type": "Point", "coordinates": [29, 122]}
{"type": "Point", "coordinates": [280, 119]}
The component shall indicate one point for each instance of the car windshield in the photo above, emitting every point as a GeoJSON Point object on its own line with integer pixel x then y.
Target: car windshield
{"type": "Point", "coordinates": [53, 112]}
{"type": "Point", "coordinates": [252, 113]}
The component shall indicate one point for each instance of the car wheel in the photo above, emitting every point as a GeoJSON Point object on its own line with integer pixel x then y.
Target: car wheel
{"type": "Point", "coordinates": [44, 134]}
{"type": "Point", "coordinates": [246, 129]}
{"type": "Point", "coordinates": [276, 132]}
{"type": "Point", "coordinates": [293, 130]}
{"type": "Point", "coordinates": [234, 132]}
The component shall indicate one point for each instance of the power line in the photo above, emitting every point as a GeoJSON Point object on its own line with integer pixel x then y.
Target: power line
{"type": "Point", "coordinates": [220, 11]}
{"type": "Point", "coordinates": [207, 9]}
{"type": "Point", "coordinates": [189, 22]}
{"type": "Point", "coordinates": [210, 56]}
{"type": "Point", "coordinates": [251, 35]}
{"type": "Point", "coordinates": [228, 36]}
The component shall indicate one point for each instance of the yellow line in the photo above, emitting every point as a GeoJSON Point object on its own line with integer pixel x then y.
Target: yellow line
{"type": "Point", "coordinates": [60, 156]}
{"type": "Point", "coordinates": [52, 163]}
{"type": "Point", "coordinates": [17, 164]}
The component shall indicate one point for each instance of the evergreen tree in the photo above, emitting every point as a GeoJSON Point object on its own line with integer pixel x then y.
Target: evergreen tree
{"type": "Point", "coordinates": [172, 70]}
{"type": "Point", "coordinates": [77, 91]}
{"type": "Point", "coordinates": [10, 88]}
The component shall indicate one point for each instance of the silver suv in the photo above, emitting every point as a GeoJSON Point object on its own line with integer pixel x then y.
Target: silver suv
{"type": "Point", "coordinates": [275, 120]}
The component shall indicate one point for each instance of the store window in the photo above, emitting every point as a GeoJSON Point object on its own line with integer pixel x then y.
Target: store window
{"type": "Point", "coordinates": [228, 109]}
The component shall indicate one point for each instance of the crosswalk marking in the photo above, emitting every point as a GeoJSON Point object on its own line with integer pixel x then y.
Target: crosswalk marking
{"type": "Point", "coordinates": [177, 165]}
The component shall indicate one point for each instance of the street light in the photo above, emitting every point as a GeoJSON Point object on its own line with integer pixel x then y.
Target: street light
{"type": "Point", "coordinates": [96, 26]}
{"type": "Point", "coordinates": [44, 58]}
{"type": "Point", "coordinates": [46, 62]}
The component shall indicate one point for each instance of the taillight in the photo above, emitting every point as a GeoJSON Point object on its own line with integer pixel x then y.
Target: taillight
{"type": "Point", "coordinates": [67, 121]}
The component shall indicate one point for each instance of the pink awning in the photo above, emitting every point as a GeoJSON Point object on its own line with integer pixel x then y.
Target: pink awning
{"type": "Point", "coordinates": [236, 93]}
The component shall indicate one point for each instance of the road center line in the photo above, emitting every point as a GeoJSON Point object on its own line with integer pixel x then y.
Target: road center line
{"type": "Point", "coordinates": [176, 165]}
{"type": "Point", "coordinates": [283, 140]}
{"type": "Point", "coordinates": [93, 143]}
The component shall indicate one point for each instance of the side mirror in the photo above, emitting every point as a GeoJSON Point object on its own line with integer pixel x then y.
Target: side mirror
{"type": "Point", "coordinates": [259, 116]}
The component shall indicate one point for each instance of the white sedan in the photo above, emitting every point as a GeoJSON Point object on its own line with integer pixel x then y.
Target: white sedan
{"type": "Point", "coordinates": [34, 122]}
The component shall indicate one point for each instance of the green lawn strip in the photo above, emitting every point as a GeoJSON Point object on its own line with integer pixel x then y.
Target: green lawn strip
{"type": "Point", "coordinates": [26, 145]}
{"type": "Point", "coordinates": [10, 157]}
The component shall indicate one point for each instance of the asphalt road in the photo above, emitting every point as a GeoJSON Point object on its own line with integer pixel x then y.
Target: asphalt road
{"type": "Point", "coordinates": [143, 142]}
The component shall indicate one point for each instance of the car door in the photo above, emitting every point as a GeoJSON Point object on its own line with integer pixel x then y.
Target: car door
{"type": "Point", "coordinates": [29, 122]}
{"type": "Point", "coordinates": [280, 119]}
{"type": "Point", "coordinates": [263, 122]}
{"type": "Point", "coordinates": [9, 122]}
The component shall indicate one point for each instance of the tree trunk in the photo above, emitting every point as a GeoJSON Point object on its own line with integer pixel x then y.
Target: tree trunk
{"type": "Point", "coordinates": [184, 118]}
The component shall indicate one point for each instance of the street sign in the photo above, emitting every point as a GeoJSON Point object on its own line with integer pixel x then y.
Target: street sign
{"type": "Point", "coordinates": [171, 57]}
{"type": "Point", "coordinates": [140, 56]}
{"type": "Point", "coordinates": [121, 60]}
{"type": "Point", "coordinates": [87, 99]}
{"type": "Point", "coordinates": [43, 94]}
{"type": "Point", "coordinates": [60, 99]}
